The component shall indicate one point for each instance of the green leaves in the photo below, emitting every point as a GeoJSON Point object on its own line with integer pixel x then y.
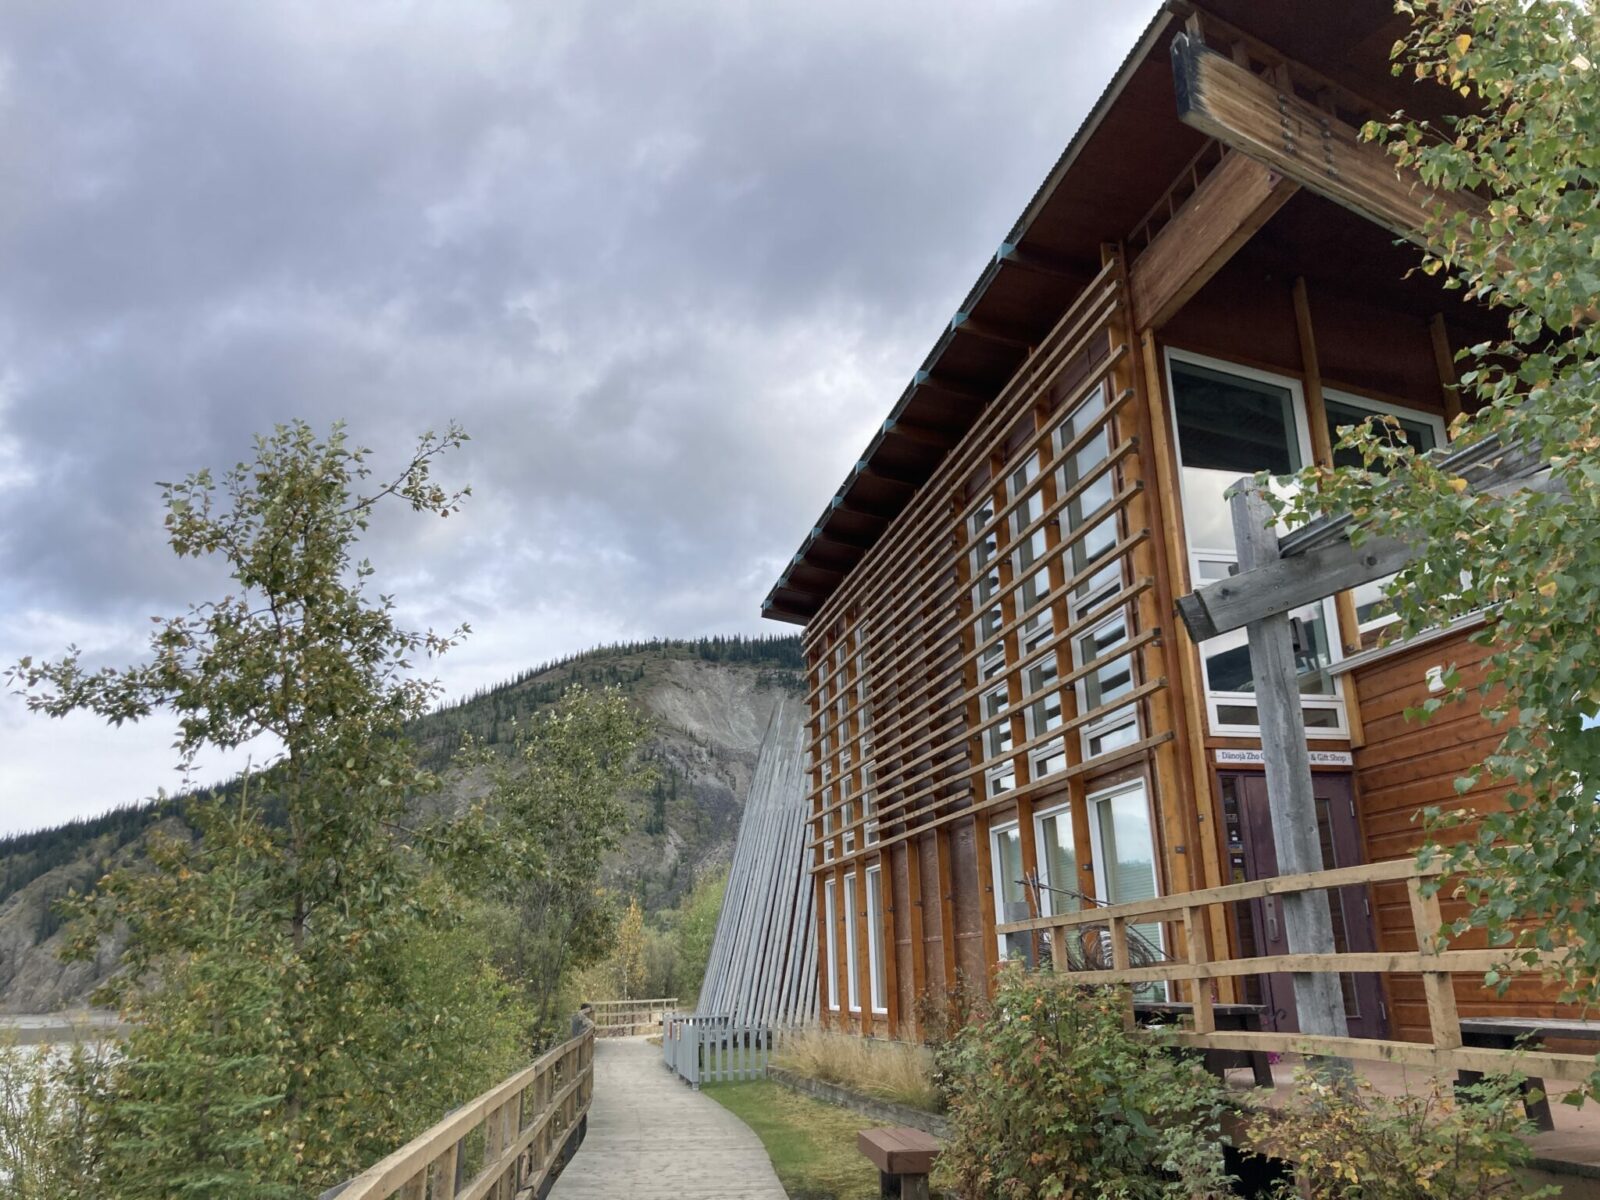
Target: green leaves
{"type": "Point", "coordinates": [1051, 1095]}
{"type": "Point", "coordinates": [1525, 560]}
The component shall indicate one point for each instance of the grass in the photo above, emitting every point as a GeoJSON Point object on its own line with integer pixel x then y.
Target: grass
{"type": "Point", "coordinates": [895, 1071]}
{"type": "Point", "coordinates": [812, 1145]}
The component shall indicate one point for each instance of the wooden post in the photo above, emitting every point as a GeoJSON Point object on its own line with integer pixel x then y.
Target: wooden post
{"type": "Point", "coordinates": [1118, 929]}
{"type": "Point", "coordinates": [1444, 360]}
{"type": "Point", "coordinates": [1194, 934]}
{"type": "Point", "coordinates": [444, 1174]}
{"type": "Point", "coordinates": [1307, 924]}
{"type": "Point", "coordinates": [1437, 985]}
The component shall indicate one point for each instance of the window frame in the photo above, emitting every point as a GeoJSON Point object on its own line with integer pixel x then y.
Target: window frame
{"type": "Point", "coordinates": [877, 962]}
{"type": "Point", "coordinates": [852, 958]}
{"type": "Point", "coordinates": [1337, 701]}
{"type": "Point", "coordinates": [830, 911]}
{"type": "Point", "coordinates": [996, 875]}
{"type": "Point", "coordinates": [1102, 882]}
{"type": "Point", "coordinates": [1433, 421]}
{"type": "Point", "coordinates": [1047, 898]}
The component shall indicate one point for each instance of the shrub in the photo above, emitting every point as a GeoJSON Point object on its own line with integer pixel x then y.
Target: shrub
{"type": "Point", "coordinates": [1351, 1142]}
{"type": "Point", "coordinates": [1051, 1096]}
{"type": "Point", "coordinates": [50, 1134]}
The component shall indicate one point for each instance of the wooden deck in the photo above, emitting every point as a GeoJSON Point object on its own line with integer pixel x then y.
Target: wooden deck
{"type": "Point", "coordinates": [652, 1138]}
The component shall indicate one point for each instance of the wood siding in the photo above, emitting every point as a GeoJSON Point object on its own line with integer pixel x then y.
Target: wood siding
{"type": "Point", "coordinates": [1404, 767]}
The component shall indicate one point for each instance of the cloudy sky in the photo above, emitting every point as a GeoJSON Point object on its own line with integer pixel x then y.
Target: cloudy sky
{"type": "Point", "coordinates": [668, 263]}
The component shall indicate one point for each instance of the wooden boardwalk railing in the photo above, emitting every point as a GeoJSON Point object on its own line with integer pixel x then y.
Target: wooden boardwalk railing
{"type": "Point", "coordinates": [620, 1018]}
{"type": "Point", "coordinates": [508, 1139]}
{"type": "Point", "coordinates": [1431, 960]}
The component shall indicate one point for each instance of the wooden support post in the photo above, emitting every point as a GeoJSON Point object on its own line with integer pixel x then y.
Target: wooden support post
{"type": "Point", "coordinates": [414, 1188]}
{"type": "Point", "coordinates": [1437, 985]}
{"type": "Point", "coordinates": [947, 926]}
{"type": "Point", "coordinates": [1194, 933]}
{"type": "Point", "coordinates": [1308, 926]}
{"type": "Point", "coordinates": [1444, 360]}
{"type": "Point", "coordinates": [444, 1174]}
{"type": "Point", "coordinates": [914, 925]}
{"type": "Point", "coordinates": [1118, 929]}
{"type": "Point", "coordinates": [1344, 603]}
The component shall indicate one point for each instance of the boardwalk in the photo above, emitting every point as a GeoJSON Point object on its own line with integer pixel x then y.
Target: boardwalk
{"type": "Point", "coordinates": [651, 1137]}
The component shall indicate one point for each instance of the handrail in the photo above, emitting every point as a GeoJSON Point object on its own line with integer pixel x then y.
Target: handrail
{"type": "Point", "coordinates": [526, 1123]}
{"type": "Point", "coordinates": [630, 1016]}
{"type": "Point", "coordinates": [1431, 960]}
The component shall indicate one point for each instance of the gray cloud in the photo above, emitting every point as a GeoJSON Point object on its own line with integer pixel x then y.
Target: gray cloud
{"type": "Point", "coordinates": [669, 264]}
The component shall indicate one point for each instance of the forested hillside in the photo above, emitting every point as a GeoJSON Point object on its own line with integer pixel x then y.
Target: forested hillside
{"type": "Point", "coordinates": [709, 699]}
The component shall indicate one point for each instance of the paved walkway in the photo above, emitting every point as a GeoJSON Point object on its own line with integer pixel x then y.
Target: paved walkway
{"type": "Point", "coordinates": [651, 1138]}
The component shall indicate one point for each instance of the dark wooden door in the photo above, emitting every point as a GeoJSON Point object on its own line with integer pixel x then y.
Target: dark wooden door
{"type": "Point", "coordinates": [1252, 855]}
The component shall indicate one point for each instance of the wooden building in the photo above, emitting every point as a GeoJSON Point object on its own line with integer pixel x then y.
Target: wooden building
{"type": "Point", "coordinates": [1005, 717]}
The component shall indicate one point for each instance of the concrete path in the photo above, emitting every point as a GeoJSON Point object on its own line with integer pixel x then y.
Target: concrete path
{"type": "Point", "coordinates": [652, 1138]}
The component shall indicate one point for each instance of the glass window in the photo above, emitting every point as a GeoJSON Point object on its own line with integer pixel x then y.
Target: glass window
{"type": "Point", "coordinates": [997, 741]}
{"type": "Point", "coordinates": [1228, 426]}
{"type": "Point", "coordinates": [875, 946]}
{"type": "Point", "coordinates": [1125, 864]}
{"type": "Point", "coordinates": [1058, 862]}
{"type": "Point", "coordinates": [1011, 892]}
{"type": "Point", "coordinates": [1422, 432]}
{"type": "Point", "coordinates": [830, 907]}
{"type": "Point", "coordinates": [852, 988]}
{"type": "Point", "coordinates": [1232, 423]}
{"type": "Point", "coordinates": [1104, 685]}
{"type": "Point", "coordinates": [1087, 545]}
{"type": "Point", "coordinates": [1044, 715]}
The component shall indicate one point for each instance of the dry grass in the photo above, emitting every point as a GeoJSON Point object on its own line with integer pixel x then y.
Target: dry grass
{"type": "Point", "coordinates": [895, 1071]}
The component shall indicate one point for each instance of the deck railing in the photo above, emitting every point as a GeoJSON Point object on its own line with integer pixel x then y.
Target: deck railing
{"type": "Point", "coordinates": [1431, 960]}
{"type": "Point", "coordinates": [508, 1140]}
{"type": "Point", "coordinates": [715, 1049]}
{"type": "Point", "coordinates": [621, 1018]}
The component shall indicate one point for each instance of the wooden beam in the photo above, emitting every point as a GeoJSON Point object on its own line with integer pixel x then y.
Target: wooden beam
{"type": "Point", "coordinates": [1444, 361]}
{"type": "Point", "coordinates": [1040, 262]}
{"type": "Point", "coordinates": [1010, 336]}
{"type": "Point", "coordinates": [1285, 584]}
{"type": "Point", "coordinates": [905, 480]}
{"type": "Point", "coordinates": [1322, 451]}
{"type": "Point", "coordinates": [1307, 922]}
{"type": "Point", "coordinates": [1237, 198]}
{"type": "Point", "coordinates": [953, 387]}
{"type": "Point", "coordinates": [923, 435]}
{"type": "Point", "coordinates": [1224, 100]}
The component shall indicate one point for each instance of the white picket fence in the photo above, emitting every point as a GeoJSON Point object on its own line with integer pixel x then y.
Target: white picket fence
{"type": "Point", "coordinates": [714, 1049]}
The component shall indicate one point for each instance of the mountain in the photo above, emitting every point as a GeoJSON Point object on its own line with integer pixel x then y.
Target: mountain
{"type": "Point", "coordinates": [710, 701]}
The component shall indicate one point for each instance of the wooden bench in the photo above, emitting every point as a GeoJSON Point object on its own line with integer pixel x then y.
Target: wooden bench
{"type": "Point", "coordinates": [903, 1156]}
{"type": "Point", "coordinates": [1507, 1033]}
{"type": "Point", "coordinates": [1226, 1017]}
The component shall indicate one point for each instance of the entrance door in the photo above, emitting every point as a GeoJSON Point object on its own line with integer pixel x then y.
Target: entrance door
{"type": "Point", "coordinates": [1251, 855]}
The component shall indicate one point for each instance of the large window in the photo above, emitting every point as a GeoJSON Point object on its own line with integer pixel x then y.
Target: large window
{"type": "Point", "coordinates": [1232, 422]}
{"type": "Point", "coordinates": [830, 914]}
{"type": "Point", "coordinates": [852, 965]}
{"type": "Point", "coordinates": [1060, 887]}
{"type": "Point", "coordinates": [1421, 431]}
{"type": "Point", "coordinates": [1010, 890]}
{"type": "Point", "coordinates": [875, 948]}
{"type": "Point", "coordinates": [1125, 862]}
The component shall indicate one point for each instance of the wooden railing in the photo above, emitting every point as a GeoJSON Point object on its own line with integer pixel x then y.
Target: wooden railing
{"type": "Point", "coordinates": [618, 1018]}
{"type": "Point", "coordinates": [508, 1140]}
{"type": "Point", "coordinates": [1431, 960]}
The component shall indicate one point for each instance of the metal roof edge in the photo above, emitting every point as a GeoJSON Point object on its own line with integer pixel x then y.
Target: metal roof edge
{"type": "Point", "coordinates": [1146, 42]}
